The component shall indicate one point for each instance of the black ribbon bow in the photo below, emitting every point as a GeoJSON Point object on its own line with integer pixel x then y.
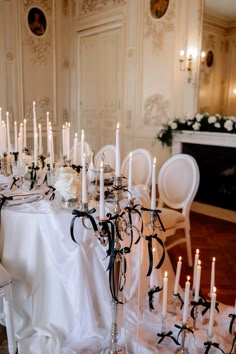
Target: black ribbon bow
{"type": "Point", "coordinates": [150, 253]}
{"type": "Point", "coordinates": [164, 335]}
{"type": "Point", "coordinates": [3, 198]}
{"type": "Point", "coordinates": [33, 175]}
{"type": "Point", "coordinates": [183, 328]}
{"type": "Point", "coordinates": [15, 179]}
{"type": "Point", "coordinates": [180, 299]}
{"type": "Point", "coordinates": [156, 213]}
{"type": "Point", "coordinates": [208, 346]}
{"type": "Point", "coordinates": [233, 317]}
{"type": "Point", "coordinates": [79, 214]}
{"type": "Point", "coordinates": [129, 210]}
{"type": "Point", "coordinates": [151, 293]}
{"type": "Point", "coordinates": [77, 168]}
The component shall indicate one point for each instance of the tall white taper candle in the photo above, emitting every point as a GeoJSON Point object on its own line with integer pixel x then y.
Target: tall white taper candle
{"type": "Point", "coordinates": [117, 166]}
{"type": "Point", "coordinates": [84, 181]}
{"type": "Point", "coordinates": [177, 276]}
{"type": "Point", "coordinates": [153, 194]}
{"type": "Point", "coordinates": [212, 313]}
{"type": "Point", "coordinates": [165, 292]}
{"type": "Point", "coordinates": [212, 275]}
{"type": "Point", "coordinates": [186, 300]}
{"type": "Point", "coordinates": [101, 201]}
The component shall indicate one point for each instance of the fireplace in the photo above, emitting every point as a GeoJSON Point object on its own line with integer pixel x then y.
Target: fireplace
{"type": "Point", "coordinates": [215, 154]}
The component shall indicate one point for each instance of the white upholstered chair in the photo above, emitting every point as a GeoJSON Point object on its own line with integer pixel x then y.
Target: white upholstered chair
{"type": "Point", "coordinates": [6, 314]}
{"type": "Point", "coordinates": [108, 152]}
{"type": "Point", "coordinates": [141, 167]}
{"type": "Point", "coordinates": [178, 182]}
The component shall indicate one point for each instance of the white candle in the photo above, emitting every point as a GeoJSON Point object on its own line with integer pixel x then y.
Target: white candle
{"type": "Point", "coordinates": [177, 276]}
{"type": "Point", "coordinates": [84, 181]}
{"type": "Point", "coordinates": [34, 118]}
{"type": "Point", "coordinates": [130, 177]}
{"type": "Point", "coordinates": [186, 300]}
{"type": "Point", "coordinates": [75, 151]}
{"type": "Point", "coordinates": [51, 149]}
{"type": "Point", "coordinates": [101, 202]}
{"type": "Point", "coordinates": [165, 292]}
{"type": "Point", "coordinates": [48, 130]}
{"type": "Point", "coordinates": [25, 140]}
{"type": "Point", "coordinates": [63, 141]}
{"type": "Point", "coordinates": [117, 168]}
{"type": "Point", "coordinates": [82, 146]}
{"type": "Point", "coordinates": [212, 275]}
{"type": "Point", "coordinates": [68, 141]}
{"type": "Point", "coordinates": [153, 194]}
{"type": "Point", "coordinates": [20, 158]}
{"type": "Point", "coordinates": [8, 132]}
{"type": "Point", "coordinates": [198, 279]}
{"type": "Point", "coordinates": [15, 136]}
{"type": "Point", "coordinates": [35, 149]}
{"type": "Point", "coordinates": [212, 313]}
{"type": "Point", "coordinates": [195, 267]}
{"type": "Point", "coordinates": [40, 140]}
{"type": "Point", "coordinates": [152, 273]}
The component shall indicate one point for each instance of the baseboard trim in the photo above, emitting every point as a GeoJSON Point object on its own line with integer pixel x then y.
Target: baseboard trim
{"type": "Point", "coordinates": [210, 210]}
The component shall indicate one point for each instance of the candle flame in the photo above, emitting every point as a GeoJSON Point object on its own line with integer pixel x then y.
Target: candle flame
{"type": "Point", "coordinates": [101, 164]}
{"type": "Point", "coordinates": [197, 251]}
{"type": "Point", "coordinates": [213, 259]}
{"type": "Point", "coordinates": [181, 53]}
{"type": "Point", "coordinates": [166, 274]}
{"type": "Point", "coordinates": [153, 250]}
{"type": "Point", "coordinates": [82, 131]}
{"type": "Point", "coordinates": [118, 126]}
{"type": "Point", "coordinates": [188, 277]}
{"type": "Point", "coordinates": [180, 258]}
{"type": "Point", "coordinates": [214, 290]}
{"type": "Point", "coordinates": [130, 155]}
{"type": "Point", "coordinates": [154, 160]}
{"type": "Point", "coordinates": [15, 122]}
{"type": "Point", "coordinates": [39, 126]}
{"type": "Point", "coordinates": [199, 262]}
{"type": "Point", "coordinates": [25, 120]}
{"type": "Point", "coordinates": [76, 135]}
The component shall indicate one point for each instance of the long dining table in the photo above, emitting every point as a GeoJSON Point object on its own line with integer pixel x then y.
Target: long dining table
{"type": "Point", "coordinates": [61, 294]}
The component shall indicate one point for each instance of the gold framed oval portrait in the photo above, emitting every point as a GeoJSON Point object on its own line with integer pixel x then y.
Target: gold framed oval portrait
{"type": "Point", "coordinates": [158, 8]}
{"type": "Point", "coordinates": [37, 21]}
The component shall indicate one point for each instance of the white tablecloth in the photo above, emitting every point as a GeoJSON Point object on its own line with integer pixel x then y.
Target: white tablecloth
{"type": "Point", "coordinates": [61, 296]}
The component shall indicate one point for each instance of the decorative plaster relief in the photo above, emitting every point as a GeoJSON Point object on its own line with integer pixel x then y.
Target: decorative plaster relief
{"type": "Point", "coordinates": [155, 110]}
{"type": "Point", "coordinates": [89, 6]}
{"type": "Point", "coordinates": [42, 106]}
{"type": "Point", "coordinates": [40, 46]}
{"type": "Point", "coordinates": [157, 28]}
{"type": "Point", "coordinates": [9, 56]}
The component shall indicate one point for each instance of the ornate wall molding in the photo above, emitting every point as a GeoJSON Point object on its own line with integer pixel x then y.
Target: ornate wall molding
{"type": "Point", "coordinates": [40, 46]}
{"type": "Point", "coordinates": [87, 7]}
{"type": "Point", "coordinates": [155, 110]}
{"type": "Point", "coordinates": [42, 106]}
{"type": "Point", "coordinates": [156, 29]}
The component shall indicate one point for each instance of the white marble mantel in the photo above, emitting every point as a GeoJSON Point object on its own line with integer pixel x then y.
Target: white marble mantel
{"type": "Point", "coordinates": [204, 138]}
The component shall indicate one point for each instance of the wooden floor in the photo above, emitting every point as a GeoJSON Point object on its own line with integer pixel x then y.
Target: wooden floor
{"type": "Point", "coordinates": [214, 238]}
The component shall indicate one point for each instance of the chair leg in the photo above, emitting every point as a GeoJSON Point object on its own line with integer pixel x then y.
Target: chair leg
{"type": "Point", "coordinates": [9, 320]}
{"type": "Point", "coordinates": [188, 247]}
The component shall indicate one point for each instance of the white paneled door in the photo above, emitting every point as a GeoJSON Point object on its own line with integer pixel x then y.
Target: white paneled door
{"type": "Point", "coordinates": [100, 86]}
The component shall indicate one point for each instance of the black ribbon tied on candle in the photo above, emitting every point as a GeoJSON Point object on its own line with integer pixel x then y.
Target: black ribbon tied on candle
{"type": "Point", "coordinates": [205, 304]}
{"type": "Point", "coordinates": [150, 253]}
{"type": "Point", "coordinates": [180, 299]}
{"type": "Point", "coordinates": [84, 214]}
{"type": "Point", "coordinates": [233, 344]}
{"type": "Point", "coordinates": [156, 213]}
{"type": "Point", "coordinates": [51, 188]}
{"type": "Point", "coordinates": [183, 328]}
{"type": "Point", "coordinates": [14, 182]}
{"type": "Point", "coordinates": [33, 175]}
{"type": "Point", "coordinates": [233, 318]}
{"type": "Point", "coordinates": [151, 293]}
{"type": "Point", "coordinates": [208, 346]}
{"type": "Point", "coordinates": [164, 335]}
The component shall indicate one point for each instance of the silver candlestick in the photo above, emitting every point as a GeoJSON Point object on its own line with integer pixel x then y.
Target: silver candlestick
{"type": "Point", "coordinates": [183, 350]}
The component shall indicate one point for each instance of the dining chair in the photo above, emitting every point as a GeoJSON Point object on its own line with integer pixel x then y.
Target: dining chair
{"type": "Point", "coordinates": [141, 167]}
{"type": "Point", "coordinates": [178, 182]}
{"type": "Point", "coordinates": [108, 154]}
{"type": "Point", "coordinates": [7, 314]}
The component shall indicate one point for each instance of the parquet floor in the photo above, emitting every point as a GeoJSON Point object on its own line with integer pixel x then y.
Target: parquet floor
{"type": "Point", "coordinates": [214, 238]}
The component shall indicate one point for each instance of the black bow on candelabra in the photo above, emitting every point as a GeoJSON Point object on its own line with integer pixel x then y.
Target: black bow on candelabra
{"type": "Point", "coordinates": [204, 303]}
{"type": "Point", "coordinates": [208, 346]}
{"type": "Point", "coordinates": [33, 175]}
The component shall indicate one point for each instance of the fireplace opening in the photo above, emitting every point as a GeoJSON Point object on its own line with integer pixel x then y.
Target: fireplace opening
{"type": "Point", "coordinates": [217, 165]}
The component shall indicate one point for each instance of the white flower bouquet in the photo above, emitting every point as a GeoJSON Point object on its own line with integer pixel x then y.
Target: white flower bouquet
{"type": "Point", "coordinates": [68, 183]}
{"type": "Point", "coordinates": [199, 122]}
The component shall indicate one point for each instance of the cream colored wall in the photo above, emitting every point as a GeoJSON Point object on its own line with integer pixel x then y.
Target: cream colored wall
{"type": "Point", "coordinates": [44, 68]}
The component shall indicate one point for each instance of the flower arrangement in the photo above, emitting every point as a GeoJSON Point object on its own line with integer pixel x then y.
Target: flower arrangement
{"type": "Point", "coordinates": [199, 122]}
{"type": "Point", "coordinates": [68, 183]}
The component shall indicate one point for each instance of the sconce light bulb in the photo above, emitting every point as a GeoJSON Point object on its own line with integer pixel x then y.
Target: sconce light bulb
{"type": "Point", "coordinates": [181, 53]}
{"type": "Point", "coordinates": [234, 91]}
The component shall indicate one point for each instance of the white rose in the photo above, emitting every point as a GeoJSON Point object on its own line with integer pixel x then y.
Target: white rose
{"type": "Point", "coordinates": [217, 125]}
{"type": "Point", "coordinates": [196, 126]}
{"type": "Point", "coordinates": [173, 125]}
{"type": "Point", "coordinates": [228, 125]}
{"type": "Point", "coordinates": [182, 121]}
{"type": "Point", "coordinates": [68, 183]}
{"type": "Point", "coordinates": [199, 117]}
{"type": "Point", "coordinates": [211, 119]}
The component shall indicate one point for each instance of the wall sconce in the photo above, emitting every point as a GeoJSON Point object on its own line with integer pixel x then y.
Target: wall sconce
{"type": "Point", "coordinates": [186, 63]}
